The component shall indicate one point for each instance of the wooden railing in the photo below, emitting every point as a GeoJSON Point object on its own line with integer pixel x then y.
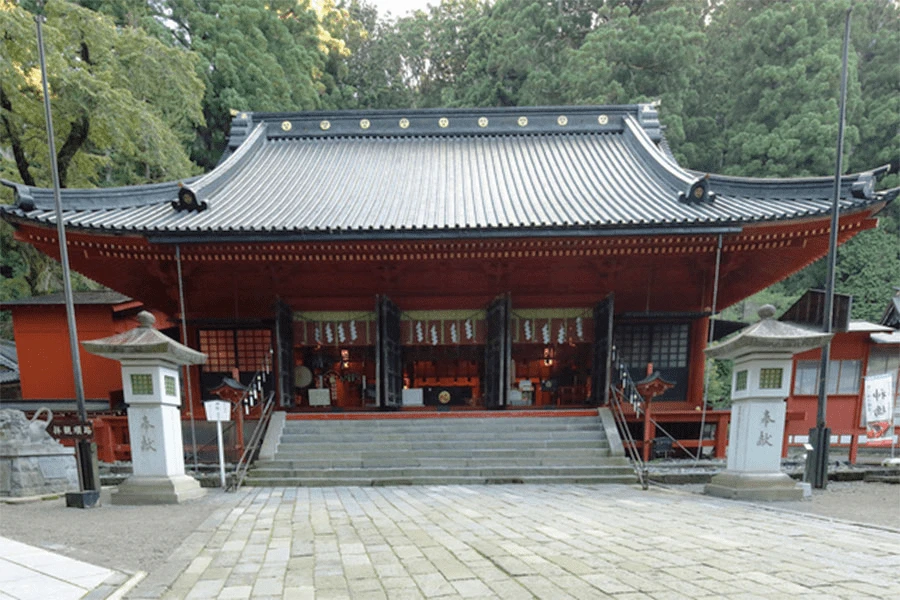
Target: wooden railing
{"type": "Point", "coordinates": [653, 420]}
{"type": "Point", "coordinates": [252, 448]}
{"type": "Point", "coordinates": [622, 392]}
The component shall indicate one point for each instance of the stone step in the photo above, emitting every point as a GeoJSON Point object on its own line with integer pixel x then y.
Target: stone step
{"type": "Point", "coordinates": [327, 462]}
{"type": "Point", "coordinates": [410, 472]}
{"type": "Point", "coordinates": [327, 481]}
{"type": "Point", "coordinates": [293, 437]}
{"type": "Point", "coordinates": [460, 452]}
{"type": "Point", "coordinates": [436, 446]}
{"type": "Point", "coordinates": [474, 451]}
{"type": "Point", "coordinates": [404, 425]}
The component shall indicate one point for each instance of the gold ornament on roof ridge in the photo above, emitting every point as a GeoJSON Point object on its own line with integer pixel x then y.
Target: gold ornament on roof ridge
{"type": "Point", "coordinates": [364, 124]}
{"type": "Point", "coordinates": [562, 120]}
{"type": "Point", "coordinates": [404, 123]}
{"type": "Point", "coordinates": [482, 121]}
{"type": "Point", "coordinates": [523, 121]}
{"type": "Point", "coordinates": [443, 122]}
{"type": "Point", "coordinates": [603, 119]}
{"type": "Point", "coordinates": [325, 125]}
{"type": "Point", "coordinates": [286, 125]}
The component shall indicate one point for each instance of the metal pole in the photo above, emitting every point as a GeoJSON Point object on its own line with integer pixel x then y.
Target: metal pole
{"type": "Point", "coordinates": [187, 368]}
{"type": "Point", "coordinates": [709, 340]}
{"type": "Point", "coordinates": [821, 435]}
{"type": "Point", "coordinates": [85, 454]}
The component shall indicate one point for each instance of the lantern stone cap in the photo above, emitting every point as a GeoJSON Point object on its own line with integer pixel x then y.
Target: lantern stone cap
{"type": "Point", "coordinates": [769, 335]}
{"type": "Point", "coordinates": [228, 383]}
{"type": "Point", "coordinates": [144, 342]}
{"type": "Point", "coordinates": [653, 385]}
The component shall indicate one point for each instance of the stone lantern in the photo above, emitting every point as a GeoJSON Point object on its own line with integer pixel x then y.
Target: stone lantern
{"type": "Point", "coordinates": [762, 355]}
{"type": "Point", "coordinates": [151, 385]}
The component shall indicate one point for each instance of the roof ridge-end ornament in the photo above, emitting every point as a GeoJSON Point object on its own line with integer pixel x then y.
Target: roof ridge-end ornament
{"type": "Point", "coordinates": [187, 200]}
{"type": "Point", "coordinates": [698, 193]}
{"type": "Point", "coordinates": [648, 118]}
{"type": "Point", "coordinates": [864, 186]}
{"type": "Point", "coordinates": [241, 126]}
{"type": "Point", "coordinates": [22, 197]}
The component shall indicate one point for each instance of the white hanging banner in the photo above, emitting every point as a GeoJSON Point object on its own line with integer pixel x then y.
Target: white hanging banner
{"type": "Point", "coordinates": [878, 392]}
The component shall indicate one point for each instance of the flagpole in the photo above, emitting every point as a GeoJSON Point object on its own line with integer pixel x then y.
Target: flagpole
{"type": "Point", "coordinates": [820, 437]}
{"type": "Point", "coordinates": [86, 469]}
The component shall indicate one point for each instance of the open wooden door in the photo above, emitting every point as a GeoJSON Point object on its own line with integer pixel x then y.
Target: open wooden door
{"type": "Point", "coordinates": [389, 354]}
{"type": "Point", "coordinates": [284, 358]}
{"type": "Point", "coordinates": [497, 353]}
{"type": "Point", "coordinates": [603, 341]}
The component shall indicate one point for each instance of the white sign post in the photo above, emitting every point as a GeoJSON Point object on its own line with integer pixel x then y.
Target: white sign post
{"type": "Point", "coordinates": [218, 411]}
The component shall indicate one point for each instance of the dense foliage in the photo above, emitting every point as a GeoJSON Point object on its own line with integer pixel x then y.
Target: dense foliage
{"type": "Point", "coordinates": [143, 91]}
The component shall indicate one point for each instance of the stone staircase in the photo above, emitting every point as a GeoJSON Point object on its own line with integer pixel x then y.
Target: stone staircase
{"type": "Point", "coordinates": [474, 449]}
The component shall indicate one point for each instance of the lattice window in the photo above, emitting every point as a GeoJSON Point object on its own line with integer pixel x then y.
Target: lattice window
{"type": "Point", "coordinates": [242, 349]}
{"type": "Point", "coordinates": [807, 378]}
{"type": "Point", "coordinates": [770, 379]}
{"type": "Point", "coordinates": [170, 385]}
{"type": "Point", "coordinates": [843, 377]}
{"type": "Point", "coordinates": [253, 348]}
{"type": "Point", "coordinates": [633, 342]}
{"type": "Point", "coordinates": [218, 345]}
{"type": "Point", "coordinates": [670, 346]}
{"type": "Point", "coordinates": [141, 384]}
{"type": "Point", "coordinates": [663, 344]}
{"type": "Point", "coordinates": [740, 381]}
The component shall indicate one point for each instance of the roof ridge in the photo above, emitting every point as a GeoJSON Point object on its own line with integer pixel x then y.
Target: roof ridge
{"type": "Point", "coordinates": [444, 122]}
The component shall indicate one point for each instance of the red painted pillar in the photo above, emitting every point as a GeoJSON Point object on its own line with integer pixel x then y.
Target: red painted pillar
{"type": "Point", "coordinates": [649, 432]}
{"type": "Point", "coordinates": [104, 439]}
{"type": "Point", "coordinates": [722, 435]}
{"type": "Point", "coordinates": [697, 361]}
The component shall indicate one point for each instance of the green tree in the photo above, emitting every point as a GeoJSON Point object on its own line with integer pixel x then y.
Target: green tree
{"type": "Point", "coordinates": [260, 55]}
{"type": "Point", "coordinates": [124, 109]}
{"type": "Point", "coordinates": [640, 58]}
{"type": "Point", "coordinates": [124, 104]}
{"type": "Point", "coordinates": [423, 55]}
{"type": "Point", "coordinates": [515, 53]}
{"type": "Point", "coordinates": [375, 66]}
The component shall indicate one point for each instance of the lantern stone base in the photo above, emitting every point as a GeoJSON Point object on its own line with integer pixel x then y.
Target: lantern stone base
{"type": "Point", "coordinates": [766, 487]}
{"type": "Point", "coordinates": [157, 490]}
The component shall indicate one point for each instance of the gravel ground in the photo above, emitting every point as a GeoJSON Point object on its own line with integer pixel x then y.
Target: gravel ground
{"type": "Point", "coordinates": [874, 504]}
{"type": "Point", "coordinates": [124, 538]}
{"type": "Point", "coordinates": [132, 538]}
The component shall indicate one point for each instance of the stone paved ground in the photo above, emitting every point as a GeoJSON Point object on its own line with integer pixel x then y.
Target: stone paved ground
{"type": "Point", "coordinates": [521, 541]}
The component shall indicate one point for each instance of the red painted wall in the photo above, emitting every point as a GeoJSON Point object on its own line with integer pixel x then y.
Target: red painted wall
{"type": "Point", "coordinates": [42, 344]}
{"type": "Point", "coordinates": [842, 410]}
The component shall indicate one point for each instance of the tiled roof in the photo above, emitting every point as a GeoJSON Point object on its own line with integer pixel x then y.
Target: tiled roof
{"type": "Point", "coordinates": [9, 362]}
{"type": "Point", "coordinates": [93, 297]}
{"type": "Point", "coordinates": [432, 173]}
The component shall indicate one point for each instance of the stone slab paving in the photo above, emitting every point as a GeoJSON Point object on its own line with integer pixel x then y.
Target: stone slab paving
{"type": "Point", "coordinates": [525, 541]}
{"type": "Point", "coordinates": [30, 573]}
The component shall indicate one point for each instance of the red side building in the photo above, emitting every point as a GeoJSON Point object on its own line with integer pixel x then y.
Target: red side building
{"type": "Point", "coordinates": [858, 350]}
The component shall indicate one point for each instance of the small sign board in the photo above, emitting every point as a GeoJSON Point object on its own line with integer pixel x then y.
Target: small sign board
{"type": "Point", "coordinates": [217, 410]}
{"type": "Point", "coordinates": [70, 429]}
{"type": "Point", "coordinates": [878, 391]}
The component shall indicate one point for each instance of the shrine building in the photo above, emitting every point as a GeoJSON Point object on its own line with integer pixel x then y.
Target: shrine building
{"type": "Point", "coordinates": [448, 259]}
